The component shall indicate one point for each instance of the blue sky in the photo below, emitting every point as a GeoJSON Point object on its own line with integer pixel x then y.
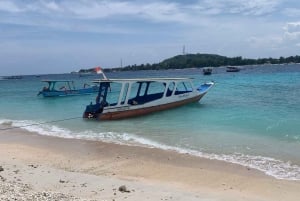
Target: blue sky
{"type": "Point", "coordinates": [56, 36]}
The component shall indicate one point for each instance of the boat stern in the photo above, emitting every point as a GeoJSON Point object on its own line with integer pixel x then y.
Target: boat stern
{"type": "Point", "coordinates": [92, 111]}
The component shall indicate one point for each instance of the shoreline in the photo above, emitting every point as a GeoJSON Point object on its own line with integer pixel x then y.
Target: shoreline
{"type": "Point", "coordinates": [147, 169]}
{"type": "Point", "coordinates": [269, 165]}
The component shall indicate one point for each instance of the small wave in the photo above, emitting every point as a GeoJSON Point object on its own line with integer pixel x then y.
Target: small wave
{"type": "Point", "coordinates": [270, 166]}
{"type": "Point", "coordinates": [6, 122]}
{"type": "Point", "coordinates": [32, 126]}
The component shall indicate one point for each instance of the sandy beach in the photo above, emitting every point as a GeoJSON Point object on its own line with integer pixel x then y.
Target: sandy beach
{"type": "Point", "coordinates": [35, 167]}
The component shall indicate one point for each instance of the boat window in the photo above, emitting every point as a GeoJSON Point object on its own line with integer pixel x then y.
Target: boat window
{"type": "Point", "coordinates": [156, 87]}
{"type": "Point", "coordinates": [143, 89]}
{"type": "Point", "coordinates": [61, 86]}
{"type": "Point", "coordinates": [124, 93]}
{"type": "Point", "coordinates": [183, 87]}
{"type": "Point", "coordinates": [51, 86]}
{"type": "Point", "coordinates": [134, 90]}
{"type": "Point", "coordinates": [188, 86]}
{"type": "Point", "coordinates": [170, 89]}
{"type": "Point", "coordinates": [153, 91]}
{"type": "Point", "coordinates": [113, 93]}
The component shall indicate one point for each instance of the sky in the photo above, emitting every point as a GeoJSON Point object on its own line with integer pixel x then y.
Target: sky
{"type": "Point", "coordinates": [60, 36]}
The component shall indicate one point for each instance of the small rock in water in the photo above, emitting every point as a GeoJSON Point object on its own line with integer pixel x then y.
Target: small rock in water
{"type": "Point", "coordinates": [123, 189]}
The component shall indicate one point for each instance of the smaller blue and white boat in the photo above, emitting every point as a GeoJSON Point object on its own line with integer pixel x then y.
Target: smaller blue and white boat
{"type": "Point", "coordinates": [57, 88]}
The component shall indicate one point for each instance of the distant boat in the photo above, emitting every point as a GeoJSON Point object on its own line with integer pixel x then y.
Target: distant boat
{"type": "Point", "coordinates": [124, 98]}
{"type": "Point", "coordinates": [207, 71]}
{"type": "Point", "coordinates": [85, 74]}
{"type": "Point", "coordinates": [232, 69]}
{"type": "Point", "coordinates": [57, 88]}
{"type": "Point", "coordinates": [13, 77]}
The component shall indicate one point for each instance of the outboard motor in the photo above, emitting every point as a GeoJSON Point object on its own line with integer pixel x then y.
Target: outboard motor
{"type": "Point", "coordinates": [92, 111]}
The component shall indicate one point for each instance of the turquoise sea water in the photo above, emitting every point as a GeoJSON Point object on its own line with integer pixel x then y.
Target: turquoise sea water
{"type": "Point", "coordinates": [251, 117]}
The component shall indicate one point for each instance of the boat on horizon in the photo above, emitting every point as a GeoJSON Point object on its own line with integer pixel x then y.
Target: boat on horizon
{"type": "Point", "coordinates": [207, 71]}
{"type": "Point", "coordinates": [56, 88]}
{"type": "Point", "coordinates": [124, 98]}
{"type": "Point", "coordinates": [12, 77]}
{"type": "Point", "coordinates": [232, 69]}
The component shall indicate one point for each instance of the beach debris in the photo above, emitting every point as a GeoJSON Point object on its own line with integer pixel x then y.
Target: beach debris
{"type": "Point", "coordinates": [33, 166]}
{"type": "Point", "coordinates": [63, 181]}
{"type": "Point", "coordinates": [2, 179]}
{"type": "Point", "coordinates": [1, 169]}
{"type": "Point", "coordinates": [83, 185]}
{"type": "Point", "coordinates": [11, 190]}
{"type": "Point", "coordinates": [124, 189]}
{"type": "Point", "coordinates": [16, 171]}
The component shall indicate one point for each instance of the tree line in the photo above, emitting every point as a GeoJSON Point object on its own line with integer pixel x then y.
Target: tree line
{"type": "Point", "coordinates": [205, 60]}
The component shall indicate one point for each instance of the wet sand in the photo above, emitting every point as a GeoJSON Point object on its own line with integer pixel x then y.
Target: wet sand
{"type": "Point", "coordinates": [48, 168]}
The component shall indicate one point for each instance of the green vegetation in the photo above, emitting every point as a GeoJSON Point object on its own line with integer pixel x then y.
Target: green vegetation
{"type": "Point", "coordinates": [203, 60]}
{"type": "Point", "coordinates": [90, 70]}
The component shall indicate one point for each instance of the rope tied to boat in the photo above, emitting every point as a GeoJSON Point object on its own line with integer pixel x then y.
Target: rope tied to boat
{"type": "Point", "coordinates": [36, 124]}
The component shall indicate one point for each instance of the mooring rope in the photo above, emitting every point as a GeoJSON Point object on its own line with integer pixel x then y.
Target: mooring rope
{"type": "Point", "coordinates": [36, 124]}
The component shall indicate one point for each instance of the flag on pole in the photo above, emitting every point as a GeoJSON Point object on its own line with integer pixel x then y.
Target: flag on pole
{"type": "Point", "coordinates": [99, 70]}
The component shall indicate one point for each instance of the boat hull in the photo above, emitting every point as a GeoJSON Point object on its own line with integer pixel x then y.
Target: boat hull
{"type": "Point", "coordinates": [130, 111]}
{"type": "Point", "coordinates": [69, 92]}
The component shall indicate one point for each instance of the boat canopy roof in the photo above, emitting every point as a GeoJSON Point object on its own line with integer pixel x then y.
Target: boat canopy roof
{"type": "Point", "coordinates": [57, 81]}
{"type": "Point", "coordinates": [141, 80]}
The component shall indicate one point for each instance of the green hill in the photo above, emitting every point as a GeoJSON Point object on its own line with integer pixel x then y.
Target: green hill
{"type": "Point", "coordinates": [205, 60]}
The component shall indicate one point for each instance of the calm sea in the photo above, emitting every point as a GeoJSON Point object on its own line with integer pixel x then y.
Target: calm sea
{"type": "Point", "coordinates": [251, 117]}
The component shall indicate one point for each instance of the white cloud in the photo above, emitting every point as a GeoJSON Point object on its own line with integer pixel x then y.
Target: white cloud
{"type": "Point", "coordinates": [291, 12]}
{"type": "Point", "coordinates": [289, 37]}
{"type": "Point", "coordinates": [53, 6]}
{"type": "Point", "coordinates": [159, 11]}
{"type": "Point", "coordinates": [265, 41]}
{"type": "Point", "coordinates": [155, 11]}
{"type": "Point", "coordinates": [292, 27]}
{"type": "Point", "coordinates": [243, 7]}
{"type": "Point", "coordinates": [9, 6]}
{"type": "Point", "coordinates": [98, 9]}
{"type": "Point", "coordinates": [292, 31]}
